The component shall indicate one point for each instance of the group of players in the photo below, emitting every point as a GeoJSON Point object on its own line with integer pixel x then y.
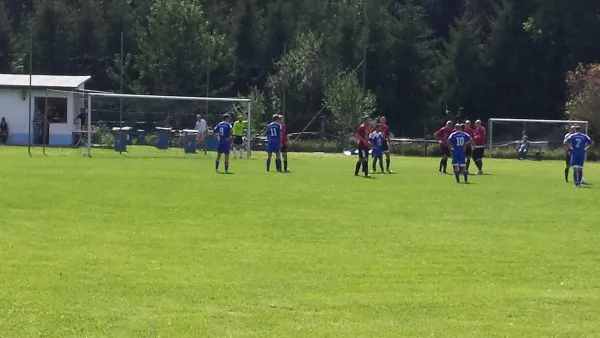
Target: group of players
{"type": "Point", "coordinates": [461, 142]}
{"type": "Point", "coordinates": [277, 142]}
{"type": "Point", "coordinates": [377, 138]}
{"type": "Point", "coordinates": [471, 147]}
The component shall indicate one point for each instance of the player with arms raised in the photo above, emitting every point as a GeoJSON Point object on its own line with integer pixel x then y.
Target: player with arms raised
{"type": "Point", "coordinates": [362, 143]}
{"type": "Point", "coordinates": [479, 141]}
{"type": "Point", "coordinates": [457, 142]}
{"type": "Point", "coordinates": [223, 130]}
{"type": "Point", "coordinates": [274, 142]}
{"type": "Point", "coordinates": [385, 130]}
{"type": "Point", "coordinates": [578, 143]}
{"type": "Point", "coordinates": [442, 137]}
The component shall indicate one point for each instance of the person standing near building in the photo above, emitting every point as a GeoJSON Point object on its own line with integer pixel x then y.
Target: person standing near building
{"type": "Point", "coordinates": [201, 128]}
{"type": "Point", "coordinates": [3, 131]}
{"type": "Point", "coordinates": [38, 127]}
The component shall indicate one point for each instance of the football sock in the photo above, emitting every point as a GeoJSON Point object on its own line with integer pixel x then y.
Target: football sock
{"type": "Point", "coordinates": [285, 165]}
{"type": "Point", "coordinates": [441, 165]}
{"type": "Point", "coordinates": [268, 164]}
{"type": "Point", "coordinates": [387, 163]}
{"type": "Point", "coordinates": [365, 167]}
{"type": "Point", "coordinates": [567, 175]}
{"type": "Point", "coordinates": [575, 177]}
{"type": "Point", "coordinates": [466, 175]}
{"type": "Point", "coordinates": [445, 165]}
{"type": "Point", "coordinates": [278, 165]}
{"type": "Point", "coordinates": [374, 164]}
{"type": "Point", "coordinates": [381, 164]}
{"type": "Point", "coordinates": [481, 165]}
{"type": "Point", "coordinates": [478, 164]}
{"type": "Point", "coordinates": [226, 166]}
{"type": "Point", "coordinates": [468, 163]}
{"type": "Point", "coordinates": [217, 165]}
{"type": "Point", "coordinates": [358, 164]}
{"type": "Point", "coordinates": [457, 175]}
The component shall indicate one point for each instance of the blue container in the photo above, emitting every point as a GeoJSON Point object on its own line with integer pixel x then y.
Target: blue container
{"type": "Point", "coordinates": [140, 137]}
{"type": "Point", "coordinates": [129, 137]}
{"type": "Point", "coordinates": [189, 145]}
{"type": "Point", "coordinates": [120, 141]}
{"type": "Point", "coordinates": [210, 143]}
{"type": "Point", "coordinates": [162, 139]}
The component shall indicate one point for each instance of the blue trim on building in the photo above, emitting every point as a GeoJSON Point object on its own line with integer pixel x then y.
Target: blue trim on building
{"type": "Point", "coordinates": [55, 139]}
{"type": "Point", "coordinates": [61, 139]}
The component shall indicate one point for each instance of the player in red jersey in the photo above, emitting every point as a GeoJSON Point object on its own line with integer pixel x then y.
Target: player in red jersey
{"type": "Point", "coordinates": [385, 130]}
{"type": "Point", "coordinates": [442, 137]}
{"type": "Point", "coordinates": [284, 144]}
{"type": "Point", "coordinates": [469, 149]}
{"type": "Point", "coordinates": [480, 137]}
{"type": "Point", "coordinates": [363, 145]}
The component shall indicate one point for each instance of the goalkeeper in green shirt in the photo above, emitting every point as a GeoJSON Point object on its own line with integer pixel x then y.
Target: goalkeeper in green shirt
{"type": "Point", "coordinates": [238, 135]}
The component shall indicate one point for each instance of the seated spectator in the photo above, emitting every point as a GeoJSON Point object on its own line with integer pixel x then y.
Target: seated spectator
{"type": "Point", "coordinates": [523, 148]}
{"type": "Point", "coordinates": [3, 131]}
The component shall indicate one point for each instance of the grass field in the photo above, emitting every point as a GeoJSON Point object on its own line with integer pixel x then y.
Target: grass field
{"type": "Point", "coordinates": [145, 246]}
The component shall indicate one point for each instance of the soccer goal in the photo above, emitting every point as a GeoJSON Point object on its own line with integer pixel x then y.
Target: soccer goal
{"type": "Point", "coordinates": [505, 135]}
{"type": "Point", "coordinates": [157, 125]}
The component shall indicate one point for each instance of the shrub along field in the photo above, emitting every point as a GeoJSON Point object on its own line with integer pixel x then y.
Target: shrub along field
{"type": "Point", "coordinates": [155, 244]}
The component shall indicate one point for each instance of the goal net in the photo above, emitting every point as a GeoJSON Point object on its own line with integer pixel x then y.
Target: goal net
{"type": "Point", "coordinates": [158, 126]}
{"type": "Point", "coordinates": [545, 136]}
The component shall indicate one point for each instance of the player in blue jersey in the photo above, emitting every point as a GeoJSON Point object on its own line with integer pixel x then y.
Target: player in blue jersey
{"type": "Point", "coordinates": [377, 139]}
{"type": "Point", "coordinates": [458, 141]}
{"type": "Point", "coordinates": [578, 143]}
{"type": "Point", "coordinates": [274, 142]}
{"type": "Point", "coordinates": [223, 134]}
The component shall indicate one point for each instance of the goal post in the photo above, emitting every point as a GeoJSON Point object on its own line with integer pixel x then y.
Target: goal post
{"type": "Point", "coordinates": [505, 134]}
{"type": "Point", "coordinates": [106, 110]}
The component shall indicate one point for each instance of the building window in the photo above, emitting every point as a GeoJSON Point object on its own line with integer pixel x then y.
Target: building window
{"type": "Point", "coordinates": [56, 110]}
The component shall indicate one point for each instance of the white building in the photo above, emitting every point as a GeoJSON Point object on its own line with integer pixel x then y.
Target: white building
{"type": "Point", "coordinates": [62, 108]}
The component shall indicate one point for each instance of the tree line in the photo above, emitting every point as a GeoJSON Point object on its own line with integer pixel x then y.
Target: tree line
{"type": "Point", "coordinates": [406, 59]}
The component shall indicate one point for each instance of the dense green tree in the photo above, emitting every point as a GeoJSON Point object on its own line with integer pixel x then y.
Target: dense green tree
{"type": "Point", "coordinates": [505, 58]}
{"type": "Point", "coordinates": [6, 41]}
{"type": "Point", "coordinates": [177, 47]}
{"type": "Point", "coordinates": [50, 31]}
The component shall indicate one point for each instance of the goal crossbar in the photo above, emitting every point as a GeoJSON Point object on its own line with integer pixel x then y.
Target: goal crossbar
{"type": "Point", "coordinates": [90, 93]}
{"type": "Point", "coordinates": [163, 97]}
{"type": "Point", "coordinates": [536, 121]}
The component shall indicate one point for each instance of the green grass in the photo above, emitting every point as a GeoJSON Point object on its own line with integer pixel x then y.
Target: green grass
{"type": "Point", "coordinates": [160, 246]}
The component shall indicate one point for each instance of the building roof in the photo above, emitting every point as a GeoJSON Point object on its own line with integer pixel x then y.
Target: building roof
{"type": "Point", "coordinates": [43, 81]}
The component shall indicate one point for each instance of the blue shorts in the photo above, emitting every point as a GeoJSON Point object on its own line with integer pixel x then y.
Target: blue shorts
{"type": "Point", "coordinates": [377, 153]}
{"type": "Point", "coordinates": [459, 159]}
{"type": "Point", "coordinates": [577, 161]}
{"type": "Point", "coordinates": [223, 148]}
{"type": "Point", "coordinates": [273, 147]}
